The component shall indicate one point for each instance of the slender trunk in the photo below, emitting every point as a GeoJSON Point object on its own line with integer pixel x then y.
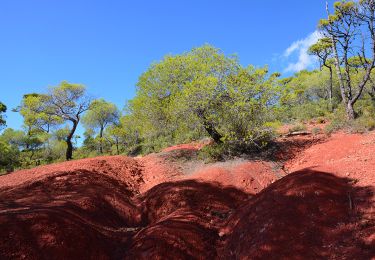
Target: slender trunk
{"type": "Point", "coordinates": [350, 111]}
{"type": "Point", "coordinates": [29, 137]}
{"type": "Point", "coordinates": [69, 150]}
{"type": "Point", "coordinates": [210, 128]}
{"type": "Point", "coordinates": [117, 148]}
{"type": "Point", "coordinates": [101, 141]}
{"type": "Point", "coordinates": [212, 132]}
{"type": "Point", "coordinates": [330, 91]}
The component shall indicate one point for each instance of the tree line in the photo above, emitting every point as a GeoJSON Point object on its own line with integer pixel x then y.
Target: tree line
{"type": "Point", "coordinates": [205, 93]}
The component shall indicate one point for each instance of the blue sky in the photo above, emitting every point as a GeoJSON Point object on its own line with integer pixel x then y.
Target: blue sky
{"type": "Point", "coordinates": [106, 45]}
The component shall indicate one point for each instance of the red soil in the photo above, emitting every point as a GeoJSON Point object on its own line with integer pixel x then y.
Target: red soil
{"type": "Point", "coordinates": [248, 176]}
{"type": "Point", "coordinates": [346, 155]}
{"type": "Point", "coordinates": [191, 146]}
{"type": "Point", "coordinates": [160, 207]}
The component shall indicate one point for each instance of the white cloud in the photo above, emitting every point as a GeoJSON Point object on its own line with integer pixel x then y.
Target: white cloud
{"type": "Point", "coordinates": [301, 47]}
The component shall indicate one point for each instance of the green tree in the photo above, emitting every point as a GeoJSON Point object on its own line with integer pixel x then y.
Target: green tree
{"type": "Point", "coordinates": [15, 138]}
{"type": "Point", "coordinates": [116, 136]}
{"type": "Point", "coordinates": [351, 31]}
{"type": "Point", "coordinates": [68, 102]}
{"type": "Point", "coordinates": [323, 50]}
{"type": "Point", "coordinates": [3, 109]}
{"type": "Point", "coordinates": [100, 114]}
{"type": "Point", "coordinates": [9, 157]}
{"type": "Point", "coordinates": [37, 116]}
{"type": "Point", "coordinates": [204, 89]}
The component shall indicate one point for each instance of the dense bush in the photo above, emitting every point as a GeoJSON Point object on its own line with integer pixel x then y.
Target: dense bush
{"type": "Point", "coordinates": [204, 93]}
{"type": "Point", "coordinates": [9, 157]}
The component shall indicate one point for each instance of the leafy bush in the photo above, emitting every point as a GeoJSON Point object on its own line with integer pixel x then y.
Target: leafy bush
{"type": "Point", "coordinates": [362, 124]}
{"type": "Point", "coordinates": [298, 127]}
{"type": "Point", "coordinates": [9, 157]}
{"type": "Point", "coordinates": [212, 153]}
{"type": "Point", "coordinates": [204, 93]}
{"type": "Point", "coordinates": [316, 130]}
{"type": "Point", "coordinates": [337, 120]}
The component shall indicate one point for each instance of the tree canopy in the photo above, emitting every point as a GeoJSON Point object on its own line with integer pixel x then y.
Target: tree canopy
{"type": "Point", "coordinates": [204, 91]}
{"type": "Point", "coordinates": [100, 114]}
{"type": "Point", "coordinates": [350, 30]}
{"type": "Point", "coordinates": [3, 109]}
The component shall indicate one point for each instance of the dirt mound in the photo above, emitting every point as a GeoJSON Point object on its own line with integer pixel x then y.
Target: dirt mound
{"type": "Point", "coordinates": [83, 214]}
{"type": "Point", "coordinates": [184, 219]}
{"type": "Point", "coordinates": [248, 176]}
{"type": "Point", "coordinates": [68, 215]}
{"type": "Point", "coordinates": [161, 207]}
{"type": "Point", "coordinates": [190, 146]}
{"type": "Point", "coordinates": [306, 215]}
{"type": "Point", "coordinates": [125, 169]}
{"type": "Point", "coordinates": [347, 155]}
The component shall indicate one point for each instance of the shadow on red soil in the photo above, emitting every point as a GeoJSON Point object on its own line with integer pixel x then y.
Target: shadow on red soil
{"type": "Point", "coordinates": [70, 215]}
{"type": "Point", "coordinates": [288, 148]}
{"type": "Point", "coordinates": [305, 215]}
{"type": "Point", "coordinates": [86, 215]}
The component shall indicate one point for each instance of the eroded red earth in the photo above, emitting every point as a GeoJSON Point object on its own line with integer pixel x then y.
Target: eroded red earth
{"type": "Point", "coordinates": [315, 202]}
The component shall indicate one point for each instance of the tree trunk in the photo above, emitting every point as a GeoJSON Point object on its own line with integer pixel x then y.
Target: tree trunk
{"type": "Point", "coordinates": [117, 148]}
{"type": "Point", "coordinates": [350, 111]}
{"type": "Point", "coordinates": [330, 91]}
{"type": "Point", "coordinates": [69, 150]}
{"type": "Point", "coordinates": [209, 126]}
{"type": "Point", "coordinates": [29, 136]}
{"type": "Point", "coordinates": [101, 141]}
{"type": "Point", "coordinates": [212, 132]}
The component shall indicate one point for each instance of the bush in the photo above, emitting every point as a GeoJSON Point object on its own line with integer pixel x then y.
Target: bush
{"type": "Point", "coordinates": [316, 130]}
{"type": "Point", "coordinates": [9, 157]}
{"type": "Point", "coordinates": [312, 110]}
{"type": "Point", "coordinates": [213, 152]}
{"type": "Point", "coordinates": [362, 124]}
{"type": "Point", "coordinates": [297, 128]}
{"type": "Point", "coordinates": [338, 120]}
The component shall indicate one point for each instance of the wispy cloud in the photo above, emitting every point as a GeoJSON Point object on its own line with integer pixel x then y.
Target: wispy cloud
{"type": "Point", "coordinates": [300, 47]}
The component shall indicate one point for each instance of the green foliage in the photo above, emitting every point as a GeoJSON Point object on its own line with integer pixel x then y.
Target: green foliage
{"type": "Point", "coordinates": [38, 117]}
{"type": "Point", "coordinates": [100, 114]}
{"type": "Point", "coordinates": [203, 92]}
{"type": "Point", "coordinates": [305, 96]}
{"type": "Point", "coordinates": [213, 152]}
{"type": "Point", "coordinates": [316, 130]}
{"type": "Point", "coordinates": [3, 109]}
{"type": "Point", "coordinates": [64, 103]}
{"type": "Point", "coordinates": [8, 157]}
{"type": "Point", "coordinates": [297, 127]}
{"type": "Point", "coordinates": [337, 120]}
{"type": "Point", "coordinates": [364, 122]}
{"type": "Point", "coordinates": [15, 138]}
{"type": "Point", "coordinates": [323, 50]}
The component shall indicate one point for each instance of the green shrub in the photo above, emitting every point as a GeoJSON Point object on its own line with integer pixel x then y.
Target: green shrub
{"type": "Point", "coordinates": [311, 110]}
{"type": "Point", "coordinates": [316, 130]}
{"type": "Point", "coordinates": [9, 157]}
{"type": "Point", "coordinates": [337, 120]}
{"type": "Point", "coordinates": [213, 152]}
{"type": "Point", "coordinates": [297, 128]}
{"type": "Point", "coordinates": [362, 124]}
